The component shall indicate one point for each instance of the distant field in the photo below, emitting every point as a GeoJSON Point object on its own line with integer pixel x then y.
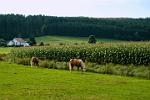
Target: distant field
{"type": "Point", "coordinates": [18, 82]}
{"type": "Point", "coordinates": [5, 50]}
{"type": "Point", "coordinates": [65, 39]}
{"type": "Point", "coordinates": [58, 40]}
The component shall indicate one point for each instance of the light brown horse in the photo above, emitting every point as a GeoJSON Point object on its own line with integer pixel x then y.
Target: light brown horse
{"type": "Point", "coordinates": [78, 63]}
{"type": "Point", "coordinates": [34, 61]}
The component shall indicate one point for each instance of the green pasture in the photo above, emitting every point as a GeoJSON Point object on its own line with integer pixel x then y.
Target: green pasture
{"type": "Point", "coordinates": [19, 82]}
{"type": "Point", "coordinates": [66, 39]}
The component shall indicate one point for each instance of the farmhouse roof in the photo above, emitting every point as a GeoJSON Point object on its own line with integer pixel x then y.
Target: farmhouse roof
{"type": "Point", "coordinates": [20, 39]}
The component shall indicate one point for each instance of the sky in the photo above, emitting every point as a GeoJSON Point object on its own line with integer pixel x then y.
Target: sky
{"type": "Point", "coordinates": [86, 8]}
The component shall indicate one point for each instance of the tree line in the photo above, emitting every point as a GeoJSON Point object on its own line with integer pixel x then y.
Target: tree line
{"type": "Point", "coordinates": [15, 25]}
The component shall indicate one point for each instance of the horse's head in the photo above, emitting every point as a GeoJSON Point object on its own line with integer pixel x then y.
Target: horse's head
{"type": "Point", "coordinates": [34, 61]}
{"type": "Point", "coordinates": [83, 66]}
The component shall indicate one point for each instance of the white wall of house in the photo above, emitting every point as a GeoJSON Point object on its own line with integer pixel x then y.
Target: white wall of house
{"type": "Point", "coordinates": [10, 43]}
{"type": "Point", "coordinates": [26, 44]}
{"type": "Point", "coordinates": [16, 43]}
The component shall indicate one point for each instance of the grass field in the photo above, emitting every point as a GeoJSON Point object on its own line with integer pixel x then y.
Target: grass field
{"type": "Point", "coordinates": [57, 40]}
{"type": "Point", "coordinates": [65, 39]}
{"type": "Point", "coordinates": [18, 82]}
{"type": "Point", "coordinates": [5, 50]}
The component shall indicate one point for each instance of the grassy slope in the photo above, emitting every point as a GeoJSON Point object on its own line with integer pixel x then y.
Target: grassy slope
{"type": "Point", "coordinates": [5, 50]}
{"type": "Point", "coordinates": [65, 39]}
{"type": "Point", "coordinates": [22, 82]}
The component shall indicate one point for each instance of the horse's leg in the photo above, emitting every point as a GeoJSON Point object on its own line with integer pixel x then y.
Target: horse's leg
{"type": "Point", "coordinates": [83, 66]}
{"type": "Point", "coordinates": [31, 64]}
{"type": "Point", "coordinates": [81, 69]}
{"type": "Point", "coordinates": [72, 67]}
{"type": "Point", "coordinates": [37, 64]}
{"type": "Point", "coordinates": [78, 68]}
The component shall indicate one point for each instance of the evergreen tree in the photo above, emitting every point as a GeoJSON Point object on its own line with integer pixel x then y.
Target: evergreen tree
{"type": "Point", "coordinates": [38, 25]}
{"type": "Point", "coordinates": [44, 30]}
{"type": "Point", "coordinates": [92, 39]}
{"type": "Point", "coordinates": [3, 43]}
{"type": "Point", "coordinates": [41, 44]}
{"type": "Point", "coordinates": [32, 41]}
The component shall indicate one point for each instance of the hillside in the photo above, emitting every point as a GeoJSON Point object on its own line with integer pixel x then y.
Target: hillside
{"type": "Point", "coordinates": [134, 29]}
{"type": "Point", "coordinates": [67, 39]}
{"type": "Point", "coordinates": [24, 82]}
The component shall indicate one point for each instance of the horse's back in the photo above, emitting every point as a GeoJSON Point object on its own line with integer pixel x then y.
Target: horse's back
{"type": "Point", "coordinates": [76, 61]}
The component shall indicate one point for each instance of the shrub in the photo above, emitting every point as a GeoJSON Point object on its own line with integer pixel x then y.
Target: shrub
{"type": "Point", "coordinates": [75, 43]}
{"type": "Point", "coordinates": [24, 61]}
{"type": "Point", "coordinates": [41, 44]}
{"type": "Point", "coordinates": [47, 44]}
{"type": "Point", "coordinates": [92, 39]}
{"type": "Point", "coordinates": [62, 65]}
{"type": "Point", "coordinates": [32, 41]}
{"type": "Point", "coordinates": [44, 64]}
{"type": "Point", "coordinates": [2, 57]}
{"type": "Point", "coordinates": [3, 43]}
{"type": "Point", "coordinates": [61, 43]}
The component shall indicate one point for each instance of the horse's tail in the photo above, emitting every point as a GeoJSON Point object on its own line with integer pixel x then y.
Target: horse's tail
{"type": "Point", "coordinates": [31, 62]}
{"type": "Point", "coordinates": [70, 67]}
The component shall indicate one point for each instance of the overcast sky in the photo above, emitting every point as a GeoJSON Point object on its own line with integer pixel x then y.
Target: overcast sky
{"type": "Point", "coordinates": [87, 8]}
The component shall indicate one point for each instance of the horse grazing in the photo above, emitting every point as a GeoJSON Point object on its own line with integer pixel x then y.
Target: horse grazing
{"type": "Point", "coordinates": [34, 61]}
{"type": "Point", "coordinates": [78, 63]}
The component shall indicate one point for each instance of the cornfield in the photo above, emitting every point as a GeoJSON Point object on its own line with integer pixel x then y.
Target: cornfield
{"type": "Point", "coordinates": [102, 53]}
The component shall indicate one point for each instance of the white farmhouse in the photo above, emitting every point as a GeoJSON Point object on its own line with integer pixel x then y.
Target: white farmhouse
{"type": "Point", "coordinates": [18, 42]}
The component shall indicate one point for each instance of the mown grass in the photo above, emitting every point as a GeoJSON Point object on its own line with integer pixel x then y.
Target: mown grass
{"type": "Point", "coordinates": [18, 82]}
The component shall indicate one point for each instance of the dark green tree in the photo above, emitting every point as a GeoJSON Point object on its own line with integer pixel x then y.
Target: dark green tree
{"type": "Point", "coordinates": [41, 44]}
{"type": "Point", "coordinates": [44, 30]}
{"type": "Point", "coordinates": [92, 39]}
{"type": "Point", "coordinates": [3, 43]}
{"type": "Point", "coordinates": [32, 41]}
{"type": "Point", "coordinates": [38, 25]}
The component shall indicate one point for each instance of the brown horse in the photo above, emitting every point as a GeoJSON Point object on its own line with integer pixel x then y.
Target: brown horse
{"type": "Point", "coordinates": [34, 61]}
{"type": "Point", "coordinates": [78, 63]}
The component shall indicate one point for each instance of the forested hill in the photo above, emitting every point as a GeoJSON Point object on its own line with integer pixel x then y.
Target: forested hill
{"type": "Point", "coordinates": [116, 28]}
